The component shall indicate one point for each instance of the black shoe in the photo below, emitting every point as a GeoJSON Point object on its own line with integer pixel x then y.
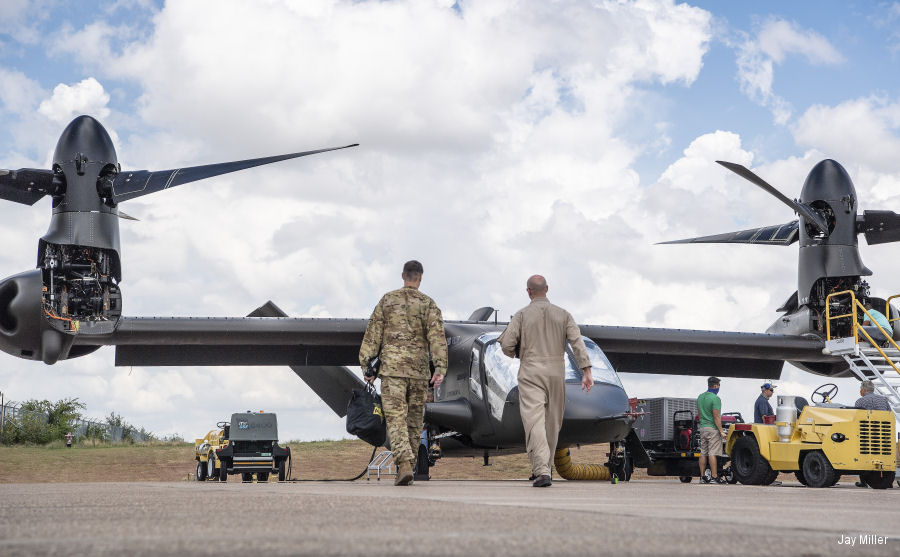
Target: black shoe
{"type": "Point", "coordinates": [861, 484]}
{"type": "Point", "coordinates": [705, 480]}
{"type": "Point", "coordinates": [542, 481]}
{"type": "Point", "coordinates": [721, 480]}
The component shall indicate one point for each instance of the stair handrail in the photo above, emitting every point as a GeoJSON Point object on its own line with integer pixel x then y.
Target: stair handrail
{"type": "Point", "coordinates": [887, 308]}
{"type": "Point", "coordinates": [857, 328]}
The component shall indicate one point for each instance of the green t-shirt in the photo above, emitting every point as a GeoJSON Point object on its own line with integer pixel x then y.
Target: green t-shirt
{"type": "Point", "coordinates": [706, 403]}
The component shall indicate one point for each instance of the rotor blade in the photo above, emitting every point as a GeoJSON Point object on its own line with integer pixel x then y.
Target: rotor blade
{"type": "Point", "coordinates": [25, 185]}
{"type": "Point", "coordinates": [135, 183]}
{"type": "Point", "coordinates": [807, 212]}
{"type": "Point", "coordinates": [880, 227]}
{"type": "Point", "coordinates": [126, 216]}
{"type": "Point", "coordinates": [778, 235]}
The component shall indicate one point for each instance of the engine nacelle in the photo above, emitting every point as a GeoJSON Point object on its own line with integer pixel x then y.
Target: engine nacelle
{"type": "Point", "coordinates": [26, 331]}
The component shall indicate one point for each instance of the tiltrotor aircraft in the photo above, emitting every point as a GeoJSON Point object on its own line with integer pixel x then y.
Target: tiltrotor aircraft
{"type": "Point", "coordinates": [71, 304]}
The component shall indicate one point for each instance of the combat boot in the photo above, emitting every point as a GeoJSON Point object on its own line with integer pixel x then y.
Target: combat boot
{"type": "Point", "coordinates": [404, 474]}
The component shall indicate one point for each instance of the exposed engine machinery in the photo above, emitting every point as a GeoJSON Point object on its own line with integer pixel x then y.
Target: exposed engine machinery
{"type": "Point", "coordinates": [839, 306]}
{"type": "Point", "coordinates": [78, 285]}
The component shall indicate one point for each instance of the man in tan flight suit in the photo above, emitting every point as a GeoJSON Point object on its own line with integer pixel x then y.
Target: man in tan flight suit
{"type": "Point", "coordinates": [537, 334]}
{"type": "Point", "coordinates": [406, 326]}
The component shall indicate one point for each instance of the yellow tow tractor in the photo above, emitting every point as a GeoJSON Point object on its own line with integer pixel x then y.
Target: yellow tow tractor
{"type": "Point", "coordinates": [818, 443]}
{"type": "Point", "coordinates": [823, 441]}
{"type": "Point", "coordinates": [205, 452]}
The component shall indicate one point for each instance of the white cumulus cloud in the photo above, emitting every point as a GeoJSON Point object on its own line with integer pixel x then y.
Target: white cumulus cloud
{"type": "Point", "coordinates": [67, 101]}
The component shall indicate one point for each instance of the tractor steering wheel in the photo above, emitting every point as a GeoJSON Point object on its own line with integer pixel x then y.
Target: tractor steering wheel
{"type": "Point", "coordinates": [827, 392]}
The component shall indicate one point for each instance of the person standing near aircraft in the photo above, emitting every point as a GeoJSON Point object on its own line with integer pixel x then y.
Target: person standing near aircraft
{"type": "Point", "coordinates": [762, 406]}
{"type": "Point", "coordinates": [709, 406]}
{"type": "Point", "coordinates": [405, 327]}
{"type": "Point", "coordinates": [537, 335]}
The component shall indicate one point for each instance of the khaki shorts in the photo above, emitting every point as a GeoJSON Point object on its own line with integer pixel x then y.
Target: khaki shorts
{"type": "Point", "coordinates": [710, 441]}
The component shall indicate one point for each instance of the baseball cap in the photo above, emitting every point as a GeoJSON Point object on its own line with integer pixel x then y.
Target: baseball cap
{"type": "Point", "coordinates": [767, 386]}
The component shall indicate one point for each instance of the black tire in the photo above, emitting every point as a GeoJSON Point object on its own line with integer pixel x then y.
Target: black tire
{"type": "Point", "coordinates": [282, 470]}
{"type": "Point", "coordinates": [770, 478]}
{"type": "Point", "coordinates": [211, 467]}
{"type": "Point", "coordinates": [879, 480]}
{"type": "Point", "coordinates": [223, 472]}
{"type": "Point", "coordinates": [246, 477]}
{"type": "Point", "coordinates": [200, 473]}
{"type": "Point", "coordinates": [262, 477]}
{"type": "Point", "coordinates": [837, 478]}
{"type": "Point", "coordinates": [800, 477]}
{"type": "Point", "coordinates": [750, 468]}
{"type": "Point", "coordinates": [421, 471]}
{"type": "Point", "coordinates": [817, 470]}
{"type": "Point", "coordinates": [685, 479]}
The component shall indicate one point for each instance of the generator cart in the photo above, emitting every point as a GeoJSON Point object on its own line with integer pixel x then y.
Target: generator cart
{"type": "Point", "coordinates": [247, 445]}
{"type": "Point", "coordinates": [818, 443]}
{"type": "Point", "coordinates": [669, 430]}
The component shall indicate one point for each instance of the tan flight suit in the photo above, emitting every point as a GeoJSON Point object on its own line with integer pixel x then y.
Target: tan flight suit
{"type": "Point", "coordinates": [540, 330]}
{"type": "Point", "coordinates": [405, 327]}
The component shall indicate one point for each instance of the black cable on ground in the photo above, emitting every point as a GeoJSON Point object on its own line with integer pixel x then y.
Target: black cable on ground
{"type": "Point", "coordinates": [361, 474]}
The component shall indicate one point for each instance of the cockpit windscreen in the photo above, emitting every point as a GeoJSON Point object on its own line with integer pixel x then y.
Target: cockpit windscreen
{"type": "Point", "coordinates": [504, 370]}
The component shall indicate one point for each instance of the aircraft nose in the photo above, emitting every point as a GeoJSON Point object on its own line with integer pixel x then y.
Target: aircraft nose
{"type": "Point", "coordinates": [594, 417]}
{"type": "Point", "coordinates": [604, 400]}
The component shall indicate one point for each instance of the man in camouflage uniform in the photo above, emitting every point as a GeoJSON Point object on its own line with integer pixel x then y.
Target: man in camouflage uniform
{"type": "Point", "coordinates": [404, 328]}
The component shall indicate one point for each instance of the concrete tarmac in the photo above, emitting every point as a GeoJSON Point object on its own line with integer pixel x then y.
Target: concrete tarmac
{"type": "Point", "coordinates": [471, 518]}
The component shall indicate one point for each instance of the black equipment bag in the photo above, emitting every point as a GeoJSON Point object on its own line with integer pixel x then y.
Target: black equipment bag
{"type": "Point", "coordinates": [364, 416]}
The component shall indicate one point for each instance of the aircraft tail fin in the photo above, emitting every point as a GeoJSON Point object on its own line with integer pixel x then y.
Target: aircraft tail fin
{"type": "Point", "coordinates": [333, 384]}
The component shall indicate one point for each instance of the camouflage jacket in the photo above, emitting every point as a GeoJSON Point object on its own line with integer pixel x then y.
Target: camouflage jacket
{"type": "Point", "coordinates": [404, 328]}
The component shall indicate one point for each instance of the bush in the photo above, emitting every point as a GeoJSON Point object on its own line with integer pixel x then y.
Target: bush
{"type": "Point", "coordinates": [41, 421]}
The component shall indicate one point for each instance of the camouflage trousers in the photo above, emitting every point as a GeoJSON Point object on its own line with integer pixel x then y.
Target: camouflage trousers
{"type": "Point", "coordinates": [403, 403]}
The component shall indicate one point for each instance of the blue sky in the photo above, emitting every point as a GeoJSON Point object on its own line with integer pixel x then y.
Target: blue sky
{"type": "Point", "coordinates": [498, 139]}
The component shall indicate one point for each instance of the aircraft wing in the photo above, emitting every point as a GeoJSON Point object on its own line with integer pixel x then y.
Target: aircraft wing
{"type": "Point", "coordinates": [703, 353]}
{"type": "Point", "coordinates": [217, 341]}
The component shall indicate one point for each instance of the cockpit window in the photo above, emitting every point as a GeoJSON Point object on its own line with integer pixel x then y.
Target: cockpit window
{"type": "Point", "coordinates": [504, 370]}
{"type": "Point", "coordinates": [601, 369]}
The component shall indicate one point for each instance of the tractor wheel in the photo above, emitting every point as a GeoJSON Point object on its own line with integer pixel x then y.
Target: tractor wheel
{"type": "Point", "coordinates": [837, 478]}
{"type": "Point", "coordinates": [878, 480]}
{"type": "Point", "coordinates": [817, 470]}
{"type": "Point", "coordinates": [685, 479]}
{"type": "Point", "coordinates": [282, 470]}
{"type": "Point", "coordinates": [200, 474]}
{"type": "Point", "coordinates": [223, 472]}
{"type": "Point", "coordinates": [262, 477]}
{"type": "Point", "coordinates": [246, 477]}
{"type": "Point", "coordinates": [211, 467]}
{"type": "Point", "coordinates": [770, 478]}
{"type": "Point", "coordinates": [750, 468]}
{"type": "Point", "coordinates": [800, 477]}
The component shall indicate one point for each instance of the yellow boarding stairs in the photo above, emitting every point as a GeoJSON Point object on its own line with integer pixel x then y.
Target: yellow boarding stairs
{"type": "Point", "coordinates": [867, 360]}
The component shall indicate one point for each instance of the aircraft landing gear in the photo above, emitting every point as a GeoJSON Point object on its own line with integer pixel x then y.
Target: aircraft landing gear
{"type": "Point", "coordinates": [620, 463]}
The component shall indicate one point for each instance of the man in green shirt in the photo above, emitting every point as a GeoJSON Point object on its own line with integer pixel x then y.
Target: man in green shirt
{"type": "Point", "coordinates": [709, 406]}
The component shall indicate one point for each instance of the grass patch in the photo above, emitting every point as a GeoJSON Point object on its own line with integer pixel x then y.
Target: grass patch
{"type": "Point", "coordinates": [161, 461]}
